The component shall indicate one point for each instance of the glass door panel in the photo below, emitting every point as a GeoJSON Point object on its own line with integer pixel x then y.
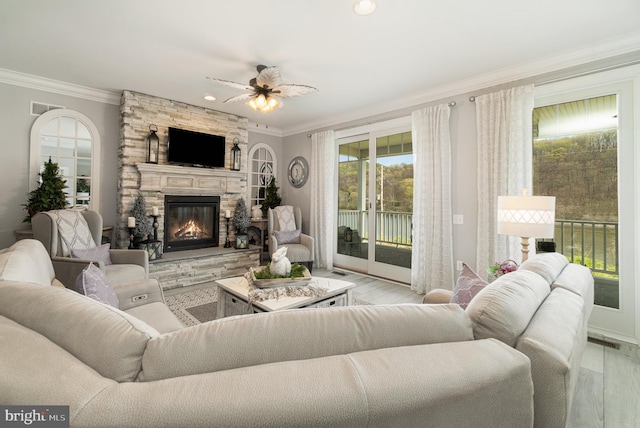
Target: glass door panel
{"type": "Point", "coordinates": [394, 199]}
{"type": "Point", "coordinates": [353, 216]}
{"type": "Point", "coordinates": [575, 159]}
{"type": "Point", "coordinates": [375, 204]}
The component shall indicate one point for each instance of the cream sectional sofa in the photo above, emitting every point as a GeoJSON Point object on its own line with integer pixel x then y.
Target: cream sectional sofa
{"type": "Point", "coordinates": [374, 366]}
{"type": "Point", "coordinates": [542, 310]}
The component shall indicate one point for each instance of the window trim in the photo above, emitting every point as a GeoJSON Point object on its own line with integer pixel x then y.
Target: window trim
{"type": "Point", "coordinates": [35, 152]}
{"type": "Point", "coordinates": [250, 170]}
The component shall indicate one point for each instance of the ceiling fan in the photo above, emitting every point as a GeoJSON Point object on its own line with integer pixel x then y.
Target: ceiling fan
{"type": "Point", "coordinates": [266, 89]}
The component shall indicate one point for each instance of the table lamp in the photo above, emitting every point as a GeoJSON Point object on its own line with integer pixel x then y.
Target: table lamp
{"type": "Point", "coordinates": [527, 217]}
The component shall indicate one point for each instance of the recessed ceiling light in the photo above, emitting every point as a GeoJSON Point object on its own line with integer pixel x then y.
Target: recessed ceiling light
{"type": "Point", "coordinates": [209, 98]}
{"type": "Point", "coordinates": [364, 7]}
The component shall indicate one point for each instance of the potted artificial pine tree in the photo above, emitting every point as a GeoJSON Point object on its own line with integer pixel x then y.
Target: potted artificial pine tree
{"type": "Point", "coordinates": [143, 225]}
{"type": "Point", "coordinates": [50, 192]}
{"type": "Point", "coordinates": [271, 199]}
{"type": "Point", "coordinates": [241, 223]}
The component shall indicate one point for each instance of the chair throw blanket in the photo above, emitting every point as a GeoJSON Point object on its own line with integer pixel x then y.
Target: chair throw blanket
{"type": "Point", "coordinates": [73, 231]}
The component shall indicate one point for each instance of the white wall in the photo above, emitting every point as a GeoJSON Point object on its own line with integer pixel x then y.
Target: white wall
{"type": "Point", "coordinates": [15, 123]}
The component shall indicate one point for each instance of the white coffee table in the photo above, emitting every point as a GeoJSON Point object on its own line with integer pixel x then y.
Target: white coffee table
{"type": "Point", "coordinates": [233, 297]}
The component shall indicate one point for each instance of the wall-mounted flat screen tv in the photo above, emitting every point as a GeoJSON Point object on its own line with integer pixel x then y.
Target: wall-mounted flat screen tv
{"type": "Point", "coordinates": [195, 148]}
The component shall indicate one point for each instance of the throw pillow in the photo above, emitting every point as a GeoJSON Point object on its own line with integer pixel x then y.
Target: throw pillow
{"type": "Point", "coordinates": [291, 237]}
{"type": "Point", "coordinates": [93, 283]}
{"type": "Point", "coordinates": [96, 254]}
{"type": "Point", "coordinates": [467, 286]}
{"type": "Point", "coordinates": [286, 219]}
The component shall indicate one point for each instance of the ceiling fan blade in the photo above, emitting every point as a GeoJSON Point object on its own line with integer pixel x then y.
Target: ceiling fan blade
{"type": "Point", "coordinates": [243, 97]}
{"type": "Point", "coordinates": [231, 84]}
{"type": "Point", "coordinates": [286, 91]}
{"type": "Point", "coordinates": [269, 77]}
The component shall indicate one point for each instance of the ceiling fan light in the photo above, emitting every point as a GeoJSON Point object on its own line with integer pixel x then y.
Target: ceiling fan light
{"type": "Point", "coordinates": [252, 104]}
{"type": "Point", "coordinates": [272, 102]}
{"type": "Point", "coordinates": [364, 7]}
{"type": "Point", "coordinates": [260, 100]}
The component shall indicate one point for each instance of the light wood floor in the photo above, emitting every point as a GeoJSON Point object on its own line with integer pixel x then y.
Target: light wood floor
{"type": "Point", "coordinates": [608, 390]}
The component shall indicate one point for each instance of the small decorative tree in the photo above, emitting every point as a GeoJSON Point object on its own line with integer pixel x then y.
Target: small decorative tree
{"type": "Point", "coordinates": [271, 199]}
{"type": "Point", "coordinates": [143, 225]}
{"type": "Point", "coordinates": [241, 223]}
{"type": "Point", "coordinates": [50, 192]}
{"type": "Point", "coordinates": [241, 217]}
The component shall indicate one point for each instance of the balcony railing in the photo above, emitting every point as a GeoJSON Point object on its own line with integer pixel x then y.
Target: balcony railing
{"type": "Point", "coordinates": [591, 243]}
{"type": "Point", "coordinates": [392, 227]}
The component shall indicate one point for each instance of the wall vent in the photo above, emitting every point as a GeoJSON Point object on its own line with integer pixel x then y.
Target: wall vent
{"type": "Point", "coordinates": [603, 342]}
{"type": "Point", "coordinates": [38, 108]}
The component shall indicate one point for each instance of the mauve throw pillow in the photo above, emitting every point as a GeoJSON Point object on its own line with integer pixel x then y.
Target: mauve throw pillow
{"type": "Point", "coordinates": [290, 237]}
{"type": "Point", "coordinates": [92, 282]}
{"type": "Point", "coordinates": [467, 286]}
{"type": "Point", "coordinates": [96, 254]}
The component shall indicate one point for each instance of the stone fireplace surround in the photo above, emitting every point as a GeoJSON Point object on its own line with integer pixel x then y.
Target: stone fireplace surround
{"type": "Point", "coordinates": [154, 181]}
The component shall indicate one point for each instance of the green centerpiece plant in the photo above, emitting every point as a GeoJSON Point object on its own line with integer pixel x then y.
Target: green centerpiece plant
{"type": "Point", "coordinates": [297, 271]}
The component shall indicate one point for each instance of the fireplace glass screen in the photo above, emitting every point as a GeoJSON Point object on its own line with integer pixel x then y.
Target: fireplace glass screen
{"type": "Point", "coordinates": [191, 222]}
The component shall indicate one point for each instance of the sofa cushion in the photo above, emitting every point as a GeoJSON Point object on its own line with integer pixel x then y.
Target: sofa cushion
{"type": "Point", "coordinates": [96, 254]}
{"type": "Point", "coordinates": [503, 309]}
{"type": "Point", "coordinates": [19, 265]}
{"type": "Point", "coordinates": [36, 370]}
{"type": "Point", "coordinates": [124, 273]}
{"type": "Point", "coordinates": [292, 335]}
{"type": "Point", "coordinates": [105, 338]}
{"type": "Point", "coordinates": [468, 285]}
{"type": "Point", "coordinates": [157, 315]}
{"type": "Point", "coordinates": [547, 265]}
{"type": "Point", "coordinates": [554, 341]}
{"type": "Point", "coordinates": [92, 282]}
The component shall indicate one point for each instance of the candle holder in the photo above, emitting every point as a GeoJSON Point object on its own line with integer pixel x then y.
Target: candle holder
{"type": "Point", "coordinates": [131, 230]}
{"type": "Point", "coordinates": [155, 226]}
{"type": "Point", "coordinates": [227, 242]}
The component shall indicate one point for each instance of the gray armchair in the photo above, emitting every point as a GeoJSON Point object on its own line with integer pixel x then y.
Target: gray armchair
{"type": "Point", "coordinates": [302, 252]}
{"type": "Point", "coordinates": [127, 265]}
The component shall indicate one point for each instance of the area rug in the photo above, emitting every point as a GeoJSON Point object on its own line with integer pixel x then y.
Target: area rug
{"type": "Point", "coordinates": [198, 306]}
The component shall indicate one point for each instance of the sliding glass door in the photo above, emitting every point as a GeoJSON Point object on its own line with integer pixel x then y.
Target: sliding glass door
{"type": "Point", "coordinates": [584, 155]}
{"type": "Point", "coordinates": [375, 203]}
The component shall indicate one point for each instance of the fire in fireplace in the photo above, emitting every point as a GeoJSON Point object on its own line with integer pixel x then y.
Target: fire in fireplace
{"type": "Point", "coordinates": [191, 222]}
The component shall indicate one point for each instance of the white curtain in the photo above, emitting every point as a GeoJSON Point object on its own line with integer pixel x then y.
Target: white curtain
{"type": "Point", "coordinates": [432, 253]}
{"type": "Point", "coordinates": [323, 199]}
{"type": "Point", "coordinates": [504, 125]}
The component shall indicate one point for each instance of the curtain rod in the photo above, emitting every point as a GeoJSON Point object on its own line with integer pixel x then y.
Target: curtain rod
{"type": "Point", "coordinates": [576, 75]}
{"type": "Point", "coordinates": [450, 104]}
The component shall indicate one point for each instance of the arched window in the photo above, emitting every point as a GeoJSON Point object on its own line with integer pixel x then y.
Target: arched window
{"type": "Point", "coordinates": [262, 169]}
{"type": "Point", "coordinates": [72, 141]}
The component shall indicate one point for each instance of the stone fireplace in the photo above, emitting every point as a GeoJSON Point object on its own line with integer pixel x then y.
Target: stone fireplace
{"type": "Point", "coordinates": [164, 181]}
{"type": "Point", "coordinates": [191, 222]}
{"type": "Point", "coordinates": [157, 181]}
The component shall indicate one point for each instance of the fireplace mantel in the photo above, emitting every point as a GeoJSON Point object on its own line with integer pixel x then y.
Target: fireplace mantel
{"type": "Point", "coordinates": [182, 180]}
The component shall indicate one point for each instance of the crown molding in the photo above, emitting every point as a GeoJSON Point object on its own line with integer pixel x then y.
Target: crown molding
{"type": "Point", "coordinates": [49, 85]}
{"type": "Point", "coordinates": [602, 51]}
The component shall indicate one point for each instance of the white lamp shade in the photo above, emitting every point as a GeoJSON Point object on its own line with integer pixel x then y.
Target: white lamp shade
{"type": "Point", "coordinates": [527, 216]}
